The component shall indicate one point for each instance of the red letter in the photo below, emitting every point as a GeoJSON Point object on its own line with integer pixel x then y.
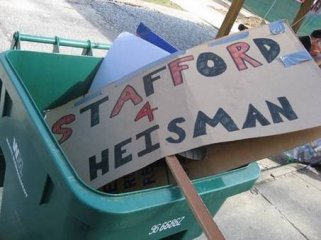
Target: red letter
{"type": "Point", "coordinates": [129, 93]}
{"type": "Point", "coordinates": [176, 69]}
{"type": "Point", "coordinates": [66, 132]}
{"type": "Point", "coordinates": [237, 52]}
{"type": "Point", "coordinates": [146, 110]}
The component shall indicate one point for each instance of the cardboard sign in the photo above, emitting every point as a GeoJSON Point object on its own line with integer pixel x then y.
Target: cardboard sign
{"type": "Point", "coordinates": [219, 158]}
{"type": "Point", "coordinates": [252, 84]}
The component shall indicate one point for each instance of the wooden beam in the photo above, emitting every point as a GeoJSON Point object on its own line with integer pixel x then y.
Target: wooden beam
{"type": "Point", "coordinates": [230, 18]}
{"type": "Point", "coordinates": [195, 202]}
{"type": "Point", "coordinates": [304, 9]}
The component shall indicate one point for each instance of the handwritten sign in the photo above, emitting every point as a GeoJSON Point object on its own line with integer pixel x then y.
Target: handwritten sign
{"type": "Point", "coordinates": [230, 89]}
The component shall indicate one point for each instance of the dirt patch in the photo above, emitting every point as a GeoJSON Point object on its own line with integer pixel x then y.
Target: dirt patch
{"type": "Point", "coordinates": [250, 22]}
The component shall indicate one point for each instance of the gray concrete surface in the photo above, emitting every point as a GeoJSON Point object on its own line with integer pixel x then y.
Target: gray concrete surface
{"type": "Point", "coordinates": [98, 20]}
{"type": "Point", "coordinates": [285, 203]}
{"type": "Point", "coordinates": [251, 216]}
{"type": "Point", "coordinates": [182, 29]}
{"type": "Point", "coordinates": [45, 18]}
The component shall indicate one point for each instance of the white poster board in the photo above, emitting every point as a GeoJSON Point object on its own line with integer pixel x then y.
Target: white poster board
{"type": "Point", "coordinates": [116, 65]}
{"type": "Point", "coordinates": [256, 83]}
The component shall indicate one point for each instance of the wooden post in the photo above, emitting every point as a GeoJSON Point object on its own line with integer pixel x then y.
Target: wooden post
{"type": "Point", "coordinates": [230, 18]}
{"type": "Point", "coordinates": [195, 202]}
{"type": "Point", "coordinates": [298, 20]}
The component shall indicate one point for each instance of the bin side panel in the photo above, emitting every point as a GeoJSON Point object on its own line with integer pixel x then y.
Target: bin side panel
{"type": "Point", "coordinates": [43, 199]}
{"type": "Point", "coordinates": [42, 73]}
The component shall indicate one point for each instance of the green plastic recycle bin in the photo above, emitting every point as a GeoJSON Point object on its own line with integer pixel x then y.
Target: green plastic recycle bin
{"type": "Point", "coordinates": [43, 198]}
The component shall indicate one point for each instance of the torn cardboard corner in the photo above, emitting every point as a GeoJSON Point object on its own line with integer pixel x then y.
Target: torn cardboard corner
{"type": "Point", "coordinates": [234, 95]}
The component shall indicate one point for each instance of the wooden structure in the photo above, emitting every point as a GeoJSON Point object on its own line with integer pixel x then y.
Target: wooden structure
{"type": "Point", "coordinates": [304, 9]}
{"type": "Point", "coordinates": [236, 7]}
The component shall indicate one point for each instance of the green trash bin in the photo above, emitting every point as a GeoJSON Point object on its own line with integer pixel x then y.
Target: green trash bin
{"type": "Point", "coordinates": [43, 197]}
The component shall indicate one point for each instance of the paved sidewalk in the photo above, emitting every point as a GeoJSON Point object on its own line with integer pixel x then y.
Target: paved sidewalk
{"type": "Point", "coordinates": [284, 204]}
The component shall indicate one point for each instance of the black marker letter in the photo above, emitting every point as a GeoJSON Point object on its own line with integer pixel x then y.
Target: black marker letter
{"type": "Point", "coordinates": [269, 48]}
{"type": "Point", "coordinates": [172, 127]}
{"type": "Point", "coordinates": [119, 151]}
{"type": "Point", "coordinates": [286, 110]}
{"type": "Point", "coordinates": [217, 64]}
{"type": "Point", "coordinates": [149, 79]}
{"type": "Point", "coordinates": [220, 117]}
{"type": "Point", "coordinates": [94, 166]}
{"type": "Point", "coordinates": [94, 111]}
{"type": "Point", "coordinates": [149, 147]}
{"type": "Point", "coordinates": [254, 115]}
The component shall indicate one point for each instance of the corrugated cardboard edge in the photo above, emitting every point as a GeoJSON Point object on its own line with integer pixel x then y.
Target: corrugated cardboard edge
{"type": "Point", "coordinates": [225, 156]}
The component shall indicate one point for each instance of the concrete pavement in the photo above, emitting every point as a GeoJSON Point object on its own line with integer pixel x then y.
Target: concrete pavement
{"type": "Point", "coordinates": [99, 21]}
{"type": "Point", "coordinates": [47, 18]}
{"type": "Point", "coordinates": [284, 204]}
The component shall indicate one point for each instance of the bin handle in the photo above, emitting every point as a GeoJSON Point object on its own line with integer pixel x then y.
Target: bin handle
{"type": "Point", "coordinates": [87, 46]}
